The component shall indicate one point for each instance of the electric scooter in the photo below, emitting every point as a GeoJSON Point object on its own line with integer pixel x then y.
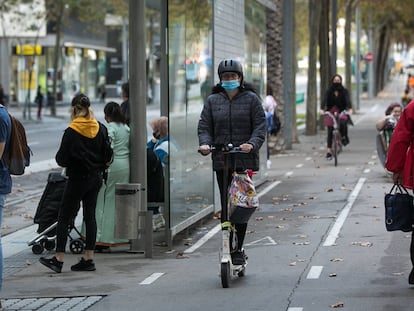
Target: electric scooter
{"type": "Point", "coordinates": [228, 270]}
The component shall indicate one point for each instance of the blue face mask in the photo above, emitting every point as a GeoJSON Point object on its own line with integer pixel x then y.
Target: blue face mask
{"type": "Point", "coordinates": [230, 85]}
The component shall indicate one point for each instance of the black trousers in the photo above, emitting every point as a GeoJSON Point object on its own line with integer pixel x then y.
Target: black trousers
{"type": "Point", "coordinates": [240, 228]}
{"type": "Point", "coordinates": [79, 190]}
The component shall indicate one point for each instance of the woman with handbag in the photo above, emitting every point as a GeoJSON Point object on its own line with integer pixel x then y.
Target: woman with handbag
{"type": "Point", "coordinates": [400, 161]}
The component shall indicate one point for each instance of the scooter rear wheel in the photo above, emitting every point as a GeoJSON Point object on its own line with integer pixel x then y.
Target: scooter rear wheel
{"type": "Point", "coordinates": [225, 274]}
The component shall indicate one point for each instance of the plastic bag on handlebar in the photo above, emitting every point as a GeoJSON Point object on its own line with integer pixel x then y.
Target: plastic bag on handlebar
{"type": "Point", "coordinates": [242, 191]}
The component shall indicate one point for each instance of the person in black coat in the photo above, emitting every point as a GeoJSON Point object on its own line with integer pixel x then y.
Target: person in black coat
{"type": "Point", "coordinates": [84, 154]}
{"type": "Point", "coordinates": [336, 100]}
{"type": "Point", "coordinates": [233, 115]}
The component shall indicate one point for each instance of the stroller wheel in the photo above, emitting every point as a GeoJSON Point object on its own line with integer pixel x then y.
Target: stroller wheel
{"type": "Point", "coordinates": [37, 249]}
{"type": "Point", "coordinates": [49, 245]}
{"type": "Point", "coordinates": [76, 246]}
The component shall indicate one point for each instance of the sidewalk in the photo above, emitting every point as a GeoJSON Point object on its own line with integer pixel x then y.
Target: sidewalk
{"type": "Point", "coordinates": [28, 285]}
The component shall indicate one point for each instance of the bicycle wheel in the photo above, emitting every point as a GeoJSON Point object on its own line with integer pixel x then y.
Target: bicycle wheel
{"type": "Point", "coordinates": [335, 137]}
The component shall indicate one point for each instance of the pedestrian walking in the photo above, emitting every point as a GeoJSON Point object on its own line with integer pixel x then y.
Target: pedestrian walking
{"type": "Point", "coordinates": [85, 154]}
{"type": "Point", "coordinates": [39, 102]}
{"type": "Point", "coordinates": [400, 161]}
{"type": "Point", "coordinates": [233, 115]}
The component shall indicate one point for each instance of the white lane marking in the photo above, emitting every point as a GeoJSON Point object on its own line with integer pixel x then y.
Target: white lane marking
{"type": "Point", "coordinates": [367, 170]}
{"type": "Point", "coordinates": [299, 165]}
{"type": "Point", "coordinates": [295, 309]}
{"type": "Point", "coordinates": [288, 174]}
{"type": "Point", "coordinates": [263, 241]}
{"type": "Point", "coordinates": [314, 272]}
{"type": "Point", "coordinates": [217, 228]}
{"type": "Point", "coordinates": [204, 239]}
{"type": "Point", "coordinates": [152, 278]}
{"type": "Point", "coordinates": [268, 188]}
{"type": "Point", "coordinates": [333, 234]}
{"type": "Point", "coordinates": [308, 158]}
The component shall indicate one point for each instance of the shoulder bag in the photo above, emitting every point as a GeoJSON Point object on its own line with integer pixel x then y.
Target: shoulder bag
{"type": "Point", "coordinates": [398, 209]}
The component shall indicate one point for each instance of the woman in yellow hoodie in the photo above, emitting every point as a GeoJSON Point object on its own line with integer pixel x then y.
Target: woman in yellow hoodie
{"type": "Point", "coordinates": [85, 154]}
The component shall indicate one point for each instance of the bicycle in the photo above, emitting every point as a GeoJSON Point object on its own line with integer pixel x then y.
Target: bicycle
{"type": "Point", "coordinates": [336, 136]}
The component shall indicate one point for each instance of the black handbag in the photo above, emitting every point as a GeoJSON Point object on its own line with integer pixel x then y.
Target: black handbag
{"type": "Point", "coordinates": [399, 209]}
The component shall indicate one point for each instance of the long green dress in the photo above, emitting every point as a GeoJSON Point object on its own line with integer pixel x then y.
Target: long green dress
{"type": "Point", "coordinates": [118, 172]}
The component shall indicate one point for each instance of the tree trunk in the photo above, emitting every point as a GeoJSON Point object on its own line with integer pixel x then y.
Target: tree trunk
{"type": "Point", "coordinates": [275, 69]}
{"type": "Point", "coordinates": [324, 59]}
{"type": "Point", "coordinates": [348, 66]}
{"type": "Point", "coordinates": [56, 56]}
{"type": "Point", "coordinates": [311, 103]}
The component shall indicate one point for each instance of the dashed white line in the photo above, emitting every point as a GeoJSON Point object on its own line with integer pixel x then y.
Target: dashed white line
{"type": "Point", "coordinates": [299, 165]}
{"type": "Point", "coordinates": [288, 174]}
{"type": "Point", "coordinates": [295, 309]}
{"type": "Point", "coordinates": [333, 234]}
{"type": "Point", "coordinates": [314, 272]}
{"type": "Point", "coordinates": [152, 278]}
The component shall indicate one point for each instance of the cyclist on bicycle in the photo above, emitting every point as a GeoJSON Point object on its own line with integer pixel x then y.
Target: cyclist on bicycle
{"type": "Point", "coordinates": [336, 101]}
{"type": "Point", "coordinates": [233, 114]}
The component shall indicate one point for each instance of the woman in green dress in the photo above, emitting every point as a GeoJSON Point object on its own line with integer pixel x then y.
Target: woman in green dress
{"type": "Point", "coordinates": [118, 172]}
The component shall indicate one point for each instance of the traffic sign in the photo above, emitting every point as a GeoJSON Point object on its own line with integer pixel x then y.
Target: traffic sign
{"type": "Point", "coordinates": [369, 57]}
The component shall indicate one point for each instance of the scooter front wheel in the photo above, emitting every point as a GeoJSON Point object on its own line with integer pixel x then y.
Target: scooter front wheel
{"type": "Point", "coordinates": [225, 274]}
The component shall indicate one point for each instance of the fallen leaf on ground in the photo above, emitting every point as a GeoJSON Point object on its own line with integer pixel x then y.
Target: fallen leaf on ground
{"type": "Point", "coordinates": [332, 275]}
{"type": "Point", "coordinates": [336, 259]}
{"type": "Point", "coordinates": [337, 305]}
{"type": "Point", "coordinates": [180, 255]}
{"type": "Point", "coordinates": [329, 190]}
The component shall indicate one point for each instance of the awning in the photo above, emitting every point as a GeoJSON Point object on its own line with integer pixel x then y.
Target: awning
{"type": "Point", "coordinates": [89, 46]}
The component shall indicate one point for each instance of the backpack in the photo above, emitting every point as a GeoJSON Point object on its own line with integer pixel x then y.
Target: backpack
{"type": "Point", "coordinates": [273, 123]}
{"type": "Point", "coordinates": [19, 153]}
{"type": "Point", "coordinates": [276, 124]}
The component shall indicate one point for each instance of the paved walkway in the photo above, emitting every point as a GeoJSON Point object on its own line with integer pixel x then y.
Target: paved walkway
{"type": "Point", "coordinates": [27, 285]}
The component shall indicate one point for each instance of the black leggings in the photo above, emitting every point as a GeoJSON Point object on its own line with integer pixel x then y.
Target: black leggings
{"type": "Point", "coordinates": [80, 190]}
{"type": "Point", "coordinates": [240, 228]}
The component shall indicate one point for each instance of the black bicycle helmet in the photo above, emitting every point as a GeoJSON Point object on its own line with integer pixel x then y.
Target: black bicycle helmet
{"type": "Point", "coordinates": [230, 65]}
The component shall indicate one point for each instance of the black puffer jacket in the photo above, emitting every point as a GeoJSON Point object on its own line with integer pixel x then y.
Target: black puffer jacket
{"type": "Point", "coordinates": [236, 121]}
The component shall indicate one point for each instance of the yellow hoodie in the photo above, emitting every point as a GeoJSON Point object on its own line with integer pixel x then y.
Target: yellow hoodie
{"type": "Point", "coordinates": [85, 127]}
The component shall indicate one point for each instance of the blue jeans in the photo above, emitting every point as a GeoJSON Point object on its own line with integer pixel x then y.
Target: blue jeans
{"type": "Point", "coordinates": [2, 200]}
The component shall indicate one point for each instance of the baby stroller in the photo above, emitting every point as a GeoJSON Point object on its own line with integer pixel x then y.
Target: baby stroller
{"type": "Point", "coordinates": [46, 217]}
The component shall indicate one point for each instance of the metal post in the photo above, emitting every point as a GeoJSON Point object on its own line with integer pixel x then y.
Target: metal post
{"type": "Point", "coordinates": [124, 50]}
{"type": "Point", "coordinates": [138, 107]}
{"type": "Point", "coordinates": [357, 58]}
